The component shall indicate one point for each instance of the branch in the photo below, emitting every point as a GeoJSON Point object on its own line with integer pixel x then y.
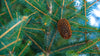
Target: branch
{"type": "Point", "coordinates": [52, 40]}
{"type": "Point", "coordinates": [62, 9]}
{"type": "Point", "coordinates": [89, 46]}
{"type": "Point", "coordinates": [9, 44]}
{"type": "Point", "coordinates": [34, 28]}
{"type": "Point", "coordinates": [8, 9]}
{"type": "Point", "coordinates": [68, 47]}
{"type": "Point", "coordinates": [35, 43]}
{"type": "Point", "coordinates": [93, 4]}
{"type": "Point", "coordinates": [24, 18]}
{"type": "Point", "coordinates": [24, 48]}
{"type": "Point", "coordinates": [39, 10]}
{"type": "Point", "coordinates": [2, 13]}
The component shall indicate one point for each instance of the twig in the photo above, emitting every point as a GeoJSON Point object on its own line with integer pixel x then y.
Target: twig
{"type": "Point", "coordinates": [85, 35]}
{"type": "Point", "coordinates": [70, 3]}
{"type": "Point", "coordinates": [24, 48]}
{"type": "Point", "coordinates": [75, 22]}
{"type": "Point", "coordinates": [93, 4]}
{"type": "Point", "coordinates": [47, 4]}
{"type": "Point", "coordinates": [35, 43]}
{"type": "Point", "coordinates": [12, 2]}
{"type": "Point", "coordinates": [31, 33]}
{"type": "Point", "coordinates": [78, 31]}
{"type": "Point", "coordinates": [57, 3]}
{"type": "Point", "coordinates": [4, 45]}
{"type": "Point", "coordinates": [68, 47]}
{"type": "Point", "coordinates": [24, 18]}
{"type": "Point", "coordinates": [34, 28]}
{"type": "Point", "coordinates": [37, 3]}
{"type": "Point", "coordinates": [93, 52]}
{"type": "Point", "coordinates": [2, 55]}
{"type": "Point", "coordinates": [75, 15]}
{"type": "Point", "coordinates": [19, 31]}
{"type": "Point", "coordinates": [9, 44]}
{"type": "Point", "coordinates": [93, 31]}
{"type": "Point", "coordinates": [56, 12]}
{"type": "Point", "coordinates": [32, 13]}
{"type": "Point", "coordinates": [50, 8]}
{"type": "Point", "coordinates": [78, 35]}
{"type": "Point", "coordinates": [28, 21]}
{"type": "Point", "coordinates": [85, 21]}
{"type": "Point", "coordinates": [2, 24]}
{"type": "Point", "coordinates": [8, 9]}
{"type": "Point", "coordinates": [17, 37]}
{"type": "Point", "coordinates": [62, 9]}
{"type": "Point", "coordinates": [88, 46]}
{"type": "Point", "coordinates": [31, 18]}
{"type": "Point", "coordinates": [52, 40]}
{"type": "Point", "coordinates": [17, 16]}
{"type": "Point", "coordinates": [2, 13]}
{"type": "Point", "coordinates": [42, 1]}
{"type": "Point", "coordinates": [13, 49]}
{"type": "Point", "coordinates": [35, 7]}
{"type": "Point", "coordinates": [88, 28]}
{"type": "Point", "coordinates": [11, 35]}
{"type": "Point", "coordinates": [85, 7]}
{"type": "Point", "coordinates": [39, 10]}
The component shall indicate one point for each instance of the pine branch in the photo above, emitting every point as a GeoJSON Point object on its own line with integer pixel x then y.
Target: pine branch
{"type": "Point", "coordinates": [9, 44]}
{"type": "Point", "coordinates": [24, 48]}
{"type": "Point", "coordinates": [89, 46]}
{"type": "Point", "coordinates": [35, 7]}
{"type": "Point", "coordinates": [85, 21]}
{"type": "Point", "coordinates": [38, 9]}
{"type": "Point", "coordinates": [31, 33]}
{"type": "Point", "coordinates": [92, 4]}
{"type": "Point", "coordinates": [35, 43]}
{"type": "Point", "coordinates": [67, 47]}
{"type": "Point", "coordinates": [24, 18]}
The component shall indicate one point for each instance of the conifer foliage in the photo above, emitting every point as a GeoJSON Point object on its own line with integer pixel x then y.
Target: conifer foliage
{"type": "Point", "coordinates": [29, 28]}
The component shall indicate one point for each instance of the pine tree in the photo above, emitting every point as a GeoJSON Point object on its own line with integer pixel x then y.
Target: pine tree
{"type": "Point", "coordinates": [29, 28]}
